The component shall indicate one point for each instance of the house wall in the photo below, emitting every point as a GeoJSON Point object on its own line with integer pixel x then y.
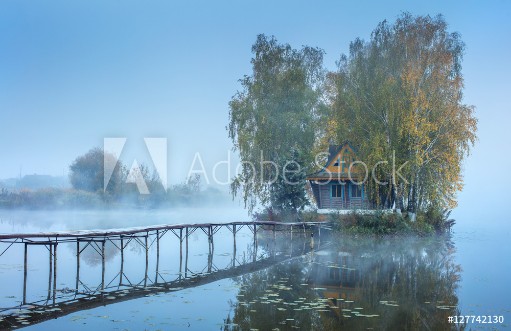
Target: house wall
{"type": "Point", "coordinates": [344, 202]}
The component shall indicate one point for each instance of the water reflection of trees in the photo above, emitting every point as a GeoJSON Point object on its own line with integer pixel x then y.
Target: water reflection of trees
{"type": "Point", "coordinates": [91, 254]}
{"type": "Point", "coordinates": [358, 283]}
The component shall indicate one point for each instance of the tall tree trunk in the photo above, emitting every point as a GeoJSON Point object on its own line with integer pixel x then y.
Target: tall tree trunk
{"type": "Point", "coordinates": [395, 196]}
{"type": "Point", "coordinates": [419, 204]}
{"type": "Point", "coordinates": [411, 197]}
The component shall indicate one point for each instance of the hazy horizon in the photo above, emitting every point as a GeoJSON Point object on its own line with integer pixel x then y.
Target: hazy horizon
{"type": "Point", "coordinates": [72, 74]}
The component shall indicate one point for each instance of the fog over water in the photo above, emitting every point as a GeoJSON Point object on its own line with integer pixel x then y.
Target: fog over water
{"type": "Point", "coordinates": [75, 73]}
{"type": "Point", "coordinates": [473, 258]}
{"type": "Point", "coordinates": [28, 221]}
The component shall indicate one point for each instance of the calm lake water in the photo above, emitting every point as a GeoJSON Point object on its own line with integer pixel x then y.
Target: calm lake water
{"type": "Point", "coordinates": [344, 282]}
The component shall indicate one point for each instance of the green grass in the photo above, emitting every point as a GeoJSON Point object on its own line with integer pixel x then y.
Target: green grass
{"type": "Point", "coordinates": [379, 223]}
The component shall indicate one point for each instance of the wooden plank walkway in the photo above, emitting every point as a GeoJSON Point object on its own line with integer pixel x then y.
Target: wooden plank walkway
{"type": "Point", "coordinates": [62, 235]}
{"type": "Point", "coordinates": [145, 237]}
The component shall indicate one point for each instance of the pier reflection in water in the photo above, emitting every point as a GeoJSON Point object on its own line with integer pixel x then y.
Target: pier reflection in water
{"type": "Point", "coordinates": [355, 284]}
{"type": "Point", "coordinates": [132, 264]}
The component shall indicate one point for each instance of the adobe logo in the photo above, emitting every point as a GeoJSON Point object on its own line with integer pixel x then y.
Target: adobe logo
{"type": "Point", "coordinates": [157, 148]}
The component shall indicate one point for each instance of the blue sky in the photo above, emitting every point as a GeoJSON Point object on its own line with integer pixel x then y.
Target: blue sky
{"type": "Point", "coordinates": [74, 72]}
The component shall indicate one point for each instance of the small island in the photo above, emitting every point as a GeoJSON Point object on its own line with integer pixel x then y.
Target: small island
{"type": "Point", "coordinates": [241, 165]}
{"type": "Point", "coordinates": [387, 131]}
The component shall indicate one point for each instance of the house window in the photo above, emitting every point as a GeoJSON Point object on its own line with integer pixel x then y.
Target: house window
{"type": "Point", "coordinates": [336, 164]}
{"type": "Point", "coordinates": [356, 191]}
{"type": "Point", "coordinates": [337, 191]}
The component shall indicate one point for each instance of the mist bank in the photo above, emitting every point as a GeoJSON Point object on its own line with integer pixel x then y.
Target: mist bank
{"type": "Point", "coordinates": [30, 221]}
{"type": "Point", "coordinates": [68, 198]}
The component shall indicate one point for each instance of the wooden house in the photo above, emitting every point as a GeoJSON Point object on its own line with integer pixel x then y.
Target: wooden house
{"type": "Point", "coordinates": [339, 185]}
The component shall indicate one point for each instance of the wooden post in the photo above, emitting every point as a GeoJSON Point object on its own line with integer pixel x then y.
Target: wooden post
{"type": "Point", "coordinates": [291, 240]}
{"type": "Point", "coordinates": [157, 254]}
{"type": "Point", "coordinates": [212, 241]}
{"type": "Point", "coordinates": [274, 243]}
{"type": "Point", "coordinates": [234, 251]}
{"type": "Point", "coordinates": [255, 236]}
{"type": "Point", "coordinates": [25, 274]}
{"type": "Point", "coordinates": [54, 270]}
{"type": "Point", "coordinates": [254, 258]}
{"type": "Point", "coordinates": [186, 252]}
{"type": "Point", "coordinates": [180, 251]}
{"type": "Point", "coordinates": [234, 256]}
{"type": "Point", "coordinates": [209, 240]}
{"type": "Point", "coordinates": [50, 270]}
{"type": "Point", "coordinates": [77, 265]}
{"type": "Point", "coordinates": [146, 260]}
{"type": "Point", "coordinates": [121, 273]}
{"type": "Point", "coordinates": [210, 261]}
{"type": "Point", "coordinates": [103, 265]}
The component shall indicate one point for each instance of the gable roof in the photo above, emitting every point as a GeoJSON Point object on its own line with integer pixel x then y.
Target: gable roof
{"type": "Point", "coordinates": [333, 152]}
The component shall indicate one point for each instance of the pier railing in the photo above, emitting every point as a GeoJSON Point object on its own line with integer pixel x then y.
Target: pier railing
{"type": "Point", "coordinates": [59, 302]}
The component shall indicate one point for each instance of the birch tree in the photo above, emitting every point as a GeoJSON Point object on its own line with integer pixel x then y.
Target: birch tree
{"type": "Point", "coordinates": [272, 122]}
{"type": "Point", "coordinates": [399, 97]}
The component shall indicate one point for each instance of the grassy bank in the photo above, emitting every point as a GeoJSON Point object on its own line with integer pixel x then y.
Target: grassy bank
{"type": "Point", "coordinates": [56, 198]}
{"type": "Point", "coordinates": [376, 222]}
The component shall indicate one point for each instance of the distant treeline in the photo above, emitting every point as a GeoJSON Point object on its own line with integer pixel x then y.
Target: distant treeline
{"type": "Point", "coordinates": [188, 193]}
{"type": "Point", "coordinates": [88, 191]}
{"type": "Point", "coordinates": [35, 182]}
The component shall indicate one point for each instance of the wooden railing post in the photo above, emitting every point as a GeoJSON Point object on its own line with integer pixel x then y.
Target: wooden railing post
{"type": "Point", "coordinates": [77, 265]}
{"type": "Point", "coordinates": [54, 270]}
{"type": "Point", "coordinates": [25, 267]}
{"type": "Point", "coordinates": [103, 265]}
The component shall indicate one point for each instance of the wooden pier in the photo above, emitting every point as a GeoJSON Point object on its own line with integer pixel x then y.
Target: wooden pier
{"type": "Point", "coordinates": [121, 287]}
